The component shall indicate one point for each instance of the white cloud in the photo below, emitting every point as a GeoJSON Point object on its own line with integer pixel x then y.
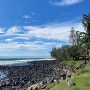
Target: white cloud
{"type": "Point", "coordinates": [58, 31]}
{"type": "Point", "coordinates": [27, 16]}
{"type": "Point", "coordinates": [13, 30]}
{"type": "Point", "coordinates": [9, 40]}
{"type": "Point", "coordinates": [9, 46]}
{"type": "Point", "coordinates": [27, 45]}
{"type": "Point", "coordinates": [50, 32]}
{"type": "Point", "coordinates": [2, 30]}
{"type": "Point", "coordinates": [66, 2]}
{"type": "Point", "coordinates": [23, 38]}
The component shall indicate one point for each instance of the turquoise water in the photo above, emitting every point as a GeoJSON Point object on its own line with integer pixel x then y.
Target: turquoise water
{"type": "Point", "coordinates": [10, 61]}
{"type": "Point", "coordinates": [18, 62]}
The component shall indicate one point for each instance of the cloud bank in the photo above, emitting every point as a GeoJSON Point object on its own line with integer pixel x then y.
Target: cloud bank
{"type": "Point", "coordinates": [66, 2]}
{"type": "Point", "coordinates": [36, 37]}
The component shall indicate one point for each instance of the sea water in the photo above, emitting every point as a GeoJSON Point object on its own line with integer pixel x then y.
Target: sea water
{"type": "Point", "coordinates": [21, 61]}
{"type": "Point", "coordinates": [18, 62]}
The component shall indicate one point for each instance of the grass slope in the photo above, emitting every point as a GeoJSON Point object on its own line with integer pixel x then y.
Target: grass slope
{"type": "Point", "coordinates": [81, 78]}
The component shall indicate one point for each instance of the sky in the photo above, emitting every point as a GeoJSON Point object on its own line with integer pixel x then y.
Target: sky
{"type": "Point", "coordinates": [34, 27]}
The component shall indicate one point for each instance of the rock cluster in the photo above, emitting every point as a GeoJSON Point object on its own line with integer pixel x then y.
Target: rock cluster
{"type": "Point", "coordinates": [22, 77]}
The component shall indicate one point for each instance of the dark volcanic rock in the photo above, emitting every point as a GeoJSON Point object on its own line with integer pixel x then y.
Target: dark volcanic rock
{"type": "Point", "coordinates": [20, 77]}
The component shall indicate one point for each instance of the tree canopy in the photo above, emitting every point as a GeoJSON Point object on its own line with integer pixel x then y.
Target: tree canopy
{"type": "Point", "coordinates": [79, 43]}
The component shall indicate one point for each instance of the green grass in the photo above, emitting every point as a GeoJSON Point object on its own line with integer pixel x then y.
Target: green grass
{"type": "Point", "coordinates": [73, 63]}
{"type": "Point", "coordinates": [81, 79]}
{"type": "Point", "coordinates": [50, 86]}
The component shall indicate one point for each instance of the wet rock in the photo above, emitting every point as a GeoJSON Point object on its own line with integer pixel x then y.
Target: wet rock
{"type": "Point", "coordinates": [21, 77]}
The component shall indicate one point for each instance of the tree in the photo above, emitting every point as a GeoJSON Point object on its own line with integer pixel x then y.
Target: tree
{"type": "Point", "coordinates": [86, 24]}
{"type": "Point", "coordinates": [74, 52]}
{"type": "Point", "coordinates": [54, 52]}
{"type": "Point", "coordinates": [60, 53]}
{"type": "Point", "coordinates": [79, 42]}
{"type": "Point", "coordinates": [72, 37]}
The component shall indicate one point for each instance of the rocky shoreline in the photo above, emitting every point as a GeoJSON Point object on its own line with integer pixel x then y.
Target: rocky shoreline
{"type": "Point", "coordinates": [37, 73]}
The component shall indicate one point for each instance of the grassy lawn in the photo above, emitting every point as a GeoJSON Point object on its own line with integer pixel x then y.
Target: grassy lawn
{"type": "Point", "coordinates": [73, 63]}
{"type": "Point", "coordinates": [81, 79]}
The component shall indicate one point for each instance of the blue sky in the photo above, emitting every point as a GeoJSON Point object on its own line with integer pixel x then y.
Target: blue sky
{"type": "Point", "coordinates": [33, 27]}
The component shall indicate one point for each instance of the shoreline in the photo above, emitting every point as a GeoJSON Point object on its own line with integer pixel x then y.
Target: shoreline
{"type": "Point", "coordinates": [36, 71]}
{"type": "Point", "coordinates": [21, 61]}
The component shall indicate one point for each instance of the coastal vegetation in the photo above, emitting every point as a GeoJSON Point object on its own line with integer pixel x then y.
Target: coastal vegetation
{"type": "Point", "coordinates": [78, 49]}
{"type": "Point", "coordinates": [81, 78]}
{"type": "Point", "coordinates": [79, 43]}
{"type": "Point", "coordinates": [53, 74]}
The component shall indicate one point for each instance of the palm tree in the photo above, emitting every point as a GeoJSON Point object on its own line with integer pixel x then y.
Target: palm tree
{"type": "Point", "coordinates": [86, 38]}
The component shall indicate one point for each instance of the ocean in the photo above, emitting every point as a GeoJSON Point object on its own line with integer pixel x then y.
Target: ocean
{"type": "Point", "coordinates": [18, 62]}
{"type": "Point", "coordinates": [21, 61]}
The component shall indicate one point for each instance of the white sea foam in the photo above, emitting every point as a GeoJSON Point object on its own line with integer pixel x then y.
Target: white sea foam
{"type": "Point", "coordinates": [23, 61]}
{"type": "Point", "coordinates": [8, 62]}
